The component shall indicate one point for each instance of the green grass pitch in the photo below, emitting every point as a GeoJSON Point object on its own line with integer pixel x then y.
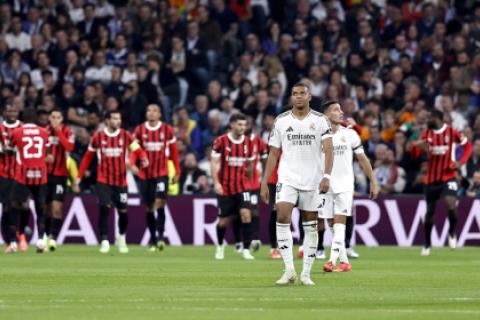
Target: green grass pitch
{"type": "Point", "coordinates": [77, 282]}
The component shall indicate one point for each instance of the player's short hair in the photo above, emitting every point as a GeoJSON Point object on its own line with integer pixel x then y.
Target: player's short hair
{"type": "Point", "coordinates": [237, 117]}
{"type": "Point", "coordinates": [109, 114]}
{"type": "Point", "coordinates": [301, 84]}
{"type": "Point", "coordinates": [29, 116]}
{"type": "Point", "coordinates": [436, 114]}
{"type": "Point", "coordinates": [326, 105]}
{"type": "Point", "coordinates": [57, 110]}
{"type": "Point", "coordinates": [157, 105]}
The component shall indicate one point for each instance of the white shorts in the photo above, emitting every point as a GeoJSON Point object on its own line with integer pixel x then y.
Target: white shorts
{"type": "Point", "coordinates": [336, 204]}
{"type": "Point", "coordinates": [303, 200]}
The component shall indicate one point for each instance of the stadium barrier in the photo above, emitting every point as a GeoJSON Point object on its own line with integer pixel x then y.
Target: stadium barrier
{"type": "Point", "coordinates": [394, 221]}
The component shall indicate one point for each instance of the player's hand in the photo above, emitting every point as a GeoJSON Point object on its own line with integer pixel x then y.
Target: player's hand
{"type": "Point", "coordinates": [374, 190]}
{"type": "Point", "coordinates": [218, 188]}
{"type": "Point", "coordinates": [56, 124]}
{"type": "Point", "coordinates": [455, 166]}
{"type": "Point", "coordinates": [144, 163]}
{"type": "Point", "coordinates": [76, 188]}
{"type": "Point", "coordinates": [49, 158]}
{"type": "Point", "coordinates": [265, 193]}
{"type": "Point", "coordinates": [324, 185]}
{"type": "Point", "coordinates": [135, 170]}
{"type": "Point", "coordinates": [175, 179]}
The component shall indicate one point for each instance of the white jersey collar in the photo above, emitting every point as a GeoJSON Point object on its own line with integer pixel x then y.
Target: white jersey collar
{"type": "Point", "coordinates": [111, 134]}
{"type": "Point", "coordinates": [232, 139]}
{"type": "Point", "coordinates": [441, 130]}
{"type": "Point", "coordinates": [147, 125]}
{"type": "Point", "coordinates": [11, 125]}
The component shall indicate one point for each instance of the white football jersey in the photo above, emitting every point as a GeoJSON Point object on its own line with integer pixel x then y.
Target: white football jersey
{"type": "Point", "coordinates": [301, 144]}
{"type": "Point", "coordinates": [346, 142]}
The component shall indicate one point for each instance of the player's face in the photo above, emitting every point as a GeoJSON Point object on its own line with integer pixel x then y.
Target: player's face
{"type": "Point", "coordinates": [300, 97]}
{"type": "Point", "coordinates": [11, 114]}
{"type": "Point", "coordinates": [239, 127]}
{"type": "Point", "coordinates": [335, 114]}
{"type": "Point", "coordinates": [115, 121]}
{"type": "Point", "coordinates": [153, 113]}
{"type": "Point", "coordinates": [55, 118]}
{"type": "Point", "coordinates": [434, 123]}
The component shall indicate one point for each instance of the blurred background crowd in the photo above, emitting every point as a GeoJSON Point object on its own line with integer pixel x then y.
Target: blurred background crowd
{"type": "Point", "coordinates": [387, 62]}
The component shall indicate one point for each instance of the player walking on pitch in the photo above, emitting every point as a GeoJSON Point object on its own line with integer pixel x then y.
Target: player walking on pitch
{"type": "Point", "coordinates": [336, 205]}
{"type": "Point", "coordinates": [301, 133]}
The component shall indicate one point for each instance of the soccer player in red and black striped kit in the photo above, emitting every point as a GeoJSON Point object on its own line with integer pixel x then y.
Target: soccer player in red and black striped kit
{"type": "Point", "coordinates": [158, 141]}
{"type": "Point", "coordinates": [30, 142]}
{"type": "Point", "coordinates": [439, 140]}
{"type": "Point", "coordinates": [61, 141]}
{"type": "Point", "coordinates": [8, 165]}
{"type": "Point", "coordinates": [231, 162]}
{"type": "Point", "coordinates": [111, 145]}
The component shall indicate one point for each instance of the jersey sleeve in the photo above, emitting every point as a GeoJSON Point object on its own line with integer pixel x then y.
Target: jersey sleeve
{"type": "Point", "coordinates": [137, 135]}
{"type": "Point", "coordinates": [217, 147]}
{"type": "Point", "coordinates": [70, 135]}
{"type": "Point", "coordinates": [459, 137]}
{"type": "Point", "coordinates": [262, 149]}
{"type": "Point", "coordinates": [275, 139]}
{"type": "Point", "coordinates": [94, 143]}
{"type": "Point", "coordinates": [326, 128]}
{"type": "Point", "coordinates": [131, 142]}
{"type": "Point", "coordinates": [170, 136]}
{"type": "Point", "coordinates": [357, 146]}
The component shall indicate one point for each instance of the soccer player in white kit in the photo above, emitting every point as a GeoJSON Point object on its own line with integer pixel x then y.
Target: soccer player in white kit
{"type": "Point", "coordinates": [301, 134]}
{"type": "Point", "coordinates": [337, 204]}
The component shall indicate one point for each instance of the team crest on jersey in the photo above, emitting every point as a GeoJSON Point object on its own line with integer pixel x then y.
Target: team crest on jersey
{"type": "Point", "coordinates": [161, 136]}
{"type": "Point", "coordinates": [120, 142]}
{"type": "Point", "coordinates": [104, 142]}
{"type": "Point", "coordinates": [244, 149]}
{"type": "Point", "coordinates": [447, 139]}
{"type": "Point", "coordinates": [312, 126]}
{"type": "Point", "coordinates": [145, 136]}
{"type": "Point", "coordinates": [228, 149]}
{"type": "Point", "coordinates": [343, 139]}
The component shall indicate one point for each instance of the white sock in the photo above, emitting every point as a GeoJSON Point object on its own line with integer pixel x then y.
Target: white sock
{"type": "Point", "coordinates": [332, 232]}
{"type": "Point", "coordinates": [310, 242]}
{"type": "Point", "coordinates": [285, 244]}
{"type": "Point", "coordinates": [338, 243]}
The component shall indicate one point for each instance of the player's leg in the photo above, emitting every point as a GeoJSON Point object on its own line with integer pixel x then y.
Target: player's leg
{"type": "Point", "coordinates": [104, 195]}
{"type": "Point", "coordinates": [237, 233]}
{"type": "Point", "coordinates": [147, 192]}
{"type": "Point", "coordinates": [226, 212]}
{"type": "Point", "coordinates": [310, 242]}
{"type": "Point", "coordinates": [450, 193]}
{"type": "Point", "coordinates": [286, 198]}
{"type": "Point", "coordinates": [120, 200]}
{"type": "Point", "coordinates": [254, 201]}
{"type": "Point", "coordinates": [20, 212]}
{"type": "Point", "coordinates": [38, 194]}
{"type": "Point", "coordinates": [57, 194]}
{"type": "Point", "coordinates": [8, 221]}
{"type": "Point", "coordinates": [301, 239]}
{"type": "Point", "coordinates": [161, 191]}
{"type": "Point", "coordinates": [432, 193]}
{"type": "Point", "coordinates": [274, 253]}
{"type": "Point", "coordinates": [246, 218]}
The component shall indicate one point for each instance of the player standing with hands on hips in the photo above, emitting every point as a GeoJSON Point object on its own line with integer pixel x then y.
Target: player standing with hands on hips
{"type": "Point", "coordinates": [305, 137]}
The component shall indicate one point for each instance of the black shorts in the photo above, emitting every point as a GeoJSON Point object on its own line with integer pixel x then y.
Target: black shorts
{"type": "Point", "coordinates": [152, 189]}
{"type": "Point", "coordinates": [56, 188]}
{"type": "Point", "coordinates": [22, 192]}
{"type": "Point", "coordinates": [109, 195]}
{"type": "Point", "coordinates": [254, 200]}
{"type": "Point", "coordinates": [435, 191]}
{"type": "Point", "coordinates": [231, 205]}
{"type": "Point", "coordinates": [6, 190]}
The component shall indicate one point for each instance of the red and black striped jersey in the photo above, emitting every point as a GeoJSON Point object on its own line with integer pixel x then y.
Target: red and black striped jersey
{"type": "Point", "coordinates": [156, 142]}
{"type": "Point", "coordinates": [61, 142]}
{"type": "Point", "coordinates": [274, 176]}
{"type": "Point", "coordinates": [111, 150]}
{"type": "Point", "coordinates": [234, 156]}
{"type": "Point", "coordinates": [259, 152]}
{"type": "Point", "coordinates": [8, 161]}
{"type": "Point", "coordinates": [441, 152]}
{"type": "Point", "coordinates": [30, 142]}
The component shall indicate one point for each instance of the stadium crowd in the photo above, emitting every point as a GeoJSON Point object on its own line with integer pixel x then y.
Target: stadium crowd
{"type": "Point", "coordinates": [388, 63]}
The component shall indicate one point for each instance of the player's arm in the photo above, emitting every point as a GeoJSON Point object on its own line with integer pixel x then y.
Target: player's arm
{"type": "Point", "coordinates": [467, 150]}
{"type": "Point", "coordinates": [66, 141]}
{"type": "Point", "coordinates": [215, 167]}
{"type": "Point", "coordinates": [368, 170]}
{"type": "Point", "coordinates": [134, 147]}
{"type": "Point", "coordinates": [172, 147]}
{"type": "Point", "coordinates": [269, 167]}
{"type": "Point", "coordinates": [327, 145]}
{"type": "Point", "coordinates": [87, 159]}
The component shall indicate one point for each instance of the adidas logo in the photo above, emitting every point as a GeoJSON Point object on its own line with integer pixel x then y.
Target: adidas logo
{"type": "Point", "coordinates": [312, 256]}
{"type": "Point", "coordinates": [283, 248]}
{"type": "Point", "coordinates": [290, 129]}
{"type": "Point", "coordinates": [336, 250]}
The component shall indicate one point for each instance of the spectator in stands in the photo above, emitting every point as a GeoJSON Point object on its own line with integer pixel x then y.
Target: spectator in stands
{"type": "Point", "coordinates": [473, 163]}
{"type": "Point", "coordinates": [474, 189]}
{"type": "Point", "coordinates": [190, 174]}
{"type": "Point", "coordinates": [390, 176]}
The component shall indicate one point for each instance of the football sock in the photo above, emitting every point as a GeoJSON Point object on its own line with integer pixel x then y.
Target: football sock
{"type": "Point", "coordinates": [237, 229]}
{"type": "Point", "coordinates": [255, 227]}
{"type": "Point", "coordinates": [321, 234]}
{"type": "Point", "coordinates": [160, 223]}
{"type": "Point", "coordinates": [55, 228]}
{"type": "Point", "coordinates": [285, 244]}
{"type": "Point", "coordinates": [247, 234]}
{"type": "Point", "coordinates": [40, 209]}
{"type": "Point", "coordinates": [220, 235]}
{"type": "Point", "coordinates": [151, 227]}
{"type": "Point", "coordinates": [338, 244]}
{"type": "Point", "coordinates": [48, 225]}
{"type": "Point", "coordinates": [428, 234]}
{"type": "Point", "coordinates": [24, 215]}
{"type": "Point", "coordinates": [103, 222]}
{"type": "Point", "coordinates": [5, 223]}
{"type": "Point", "coordinates": [302, 232]}
{"type": "Point", "coordinates": [348, 231]}
{"type": "Point", "coordinates": [272, 232]}
{"type": "Point", "coordinates": [452, 219]}
{"type": "Point", "coordinates": [309, 246]}
{"type": "Point", "coordinates": [122, 222]}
